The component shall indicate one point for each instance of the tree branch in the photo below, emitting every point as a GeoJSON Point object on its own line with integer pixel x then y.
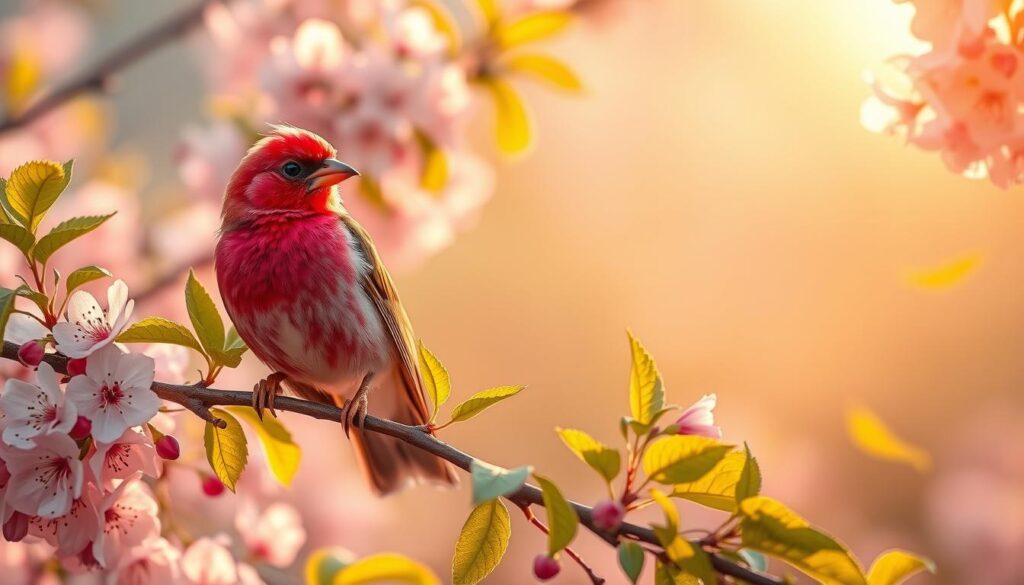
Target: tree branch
{"type": "Point", "coordinates": [99, 77]}
{"type": "Point", "coordinates": [199, 400]}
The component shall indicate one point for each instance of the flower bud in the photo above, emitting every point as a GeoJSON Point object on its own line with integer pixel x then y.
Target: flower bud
{"type": "Point", "coordinates": [16, 528]}
{"type": "Point", "coordinates": [608, 515]}
{"type": "Point", "coordinates": [31, 353]}
{"type": "Point", "coordinates": [212, 486]}
{"type": "Point", "coordinates": [82, 428]}
{"type": "Point", "coordinates": [76, 366]}
{"type": "Point", "coordinates": [167, 448]}
{"type": "Point", "coordinates": [545, 567]}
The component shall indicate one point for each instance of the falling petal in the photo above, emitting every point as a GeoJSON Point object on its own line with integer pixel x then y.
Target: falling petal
{"type": "Point", "coordinates": [871, 435]}
{"type": "Point", "coordinates": [947, 275]}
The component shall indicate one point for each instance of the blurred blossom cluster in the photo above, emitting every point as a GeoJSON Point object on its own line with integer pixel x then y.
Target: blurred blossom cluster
{"type": "Point", "coordinates": [962, 98]}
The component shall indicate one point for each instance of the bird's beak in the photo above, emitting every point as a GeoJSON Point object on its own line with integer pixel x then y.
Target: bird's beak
{"type": "Point", "coordinates": [330, 173]}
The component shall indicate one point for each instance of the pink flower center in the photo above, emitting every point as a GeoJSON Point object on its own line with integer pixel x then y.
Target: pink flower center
{"type": "Point", "coordinates": [111, 395]}
{"type": "Point", "coordinates": [56, 470]}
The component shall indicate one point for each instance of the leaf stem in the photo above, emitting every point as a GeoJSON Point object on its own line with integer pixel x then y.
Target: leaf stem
{"type": "Point", "coordinates": [594, 577]}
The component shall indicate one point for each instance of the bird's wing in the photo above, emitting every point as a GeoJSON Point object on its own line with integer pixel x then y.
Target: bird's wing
{"type": "Point", "coordinates": [379, 287]}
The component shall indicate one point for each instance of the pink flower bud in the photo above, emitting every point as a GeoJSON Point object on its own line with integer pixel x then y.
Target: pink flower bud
{"type": "Point", "coordinates": [608, 515]}
{"type": "Point", "coordinates": [31, 353]}
{"type": "Point", "coordinates": [82, 428]}
{"type": "Point", "coordinates": [16, 528]}
{"type": "Point", "coordinates": [212, 486]}
{"type": "Point", "coordinates": [167, 448]}
{"type": "Point", "coordinates": [76, 366]}
{"type": "Point", "coordinates": [545, 567]}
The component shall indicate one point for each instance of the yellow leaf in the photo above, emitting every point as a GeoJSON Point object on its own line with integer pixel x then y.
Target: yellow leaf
{"type": "Point", "coordinates": [948, 274]}
{"type": "Point", "coordinates": [489, 11]}
{"type": "Point", "coordinates": [23, 77]}
{"type": "Point", "coordinates": [682, 458]}
{"type": "Point", "coordinates": [64, 233]}
{"type": "Point", "coordinates": [770, 527]}
{"type": "Point", "coordinates": [896, 566]}
{"type": "Point", "coordinates": [717, 489]}
{"type": "Point", "coordinates": [226, 449]}
{"type": "Point", "coordinates": [282, 453]}
{"type": "Point", "coordinates": [436, 381]}
{"type": "Point", "coordinates": [676, 547]}
{"type": "Point", "coordinates": [562, 519]}
{"type": "Point", "coordinates": [869, 434]}
{"type": "Point", "coordinates": [646, 394]}
{"type": "Point", "coordinates": [482, 543]}
{"type": "Point", "coordinates": [482, 400]}
{"type": "Point", "coordinates": [512, 122]}
{"type": "Point", "coordinates": [205, 318]}
{"type": "Point", "coordinates": [434, 176]}
{"type": "Point", "coordinates": [546, 68]}
{"type": "Point", "coordinates": [386, 568]}
{"type": "Point", "coordinates": [33, 188]}
{"type": "Point", "coordinates": [325, 563]}
{"type": "Point", "coordinates": [532, 27]}
{"type": "Point", "coordinates": [443, 22]}
{"type": "Point", "coordinates": [602, 458]}
{"type": "Point", "coordinates": [750, 480]}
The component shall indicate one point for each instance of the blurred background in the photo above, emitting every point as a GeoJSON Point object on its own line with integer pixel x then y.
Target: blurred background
{"type": "Point", "coordinates": [711, 189]}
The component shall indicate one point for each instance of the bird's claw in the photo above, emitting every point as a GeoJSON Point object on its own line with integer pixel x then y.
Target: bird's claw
{"type": "Point", "coordinates": [354, 411]}
{"type": "Point", "coordinates": [264, 393]}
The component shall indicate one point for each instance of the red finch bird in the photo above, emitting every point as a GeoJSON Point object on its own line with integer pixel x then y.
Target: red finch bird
{"type": "Point", "coordinates": [309, 294]}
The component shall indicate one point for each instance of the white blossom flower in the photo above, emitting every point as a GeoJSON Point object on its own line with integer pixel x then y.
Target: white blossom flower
{"type": "Point", "coordinates": [74, 531]}
{"type": "Point", "coordinates": [32, 410]}
{"type": "Point", "coordinates": [46, 479]}
{"type": "Point", "coordinates": [274, 535]}
{"type": "Point", "coordinates": [154, 561]}
{"type": "Point", "coordinates": [128, 517]}
{"type": "Point", "coordinates": [87, 328]}
{"type": "Point", "coordinates": [115, 392]}
{"type": "Point", "coordinates": [699, 419]}
{"type": "Point", "coordinates": [131, 452]}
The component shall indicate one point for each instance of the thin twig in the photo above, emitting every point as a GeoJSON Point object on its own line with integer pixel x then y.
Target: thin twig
{"type": "Point", "coordinates": [99, 77]}
{"type": "Point", "coordinates": [594, 577]}
{"type": "Point", "coordinates": [191, 396]}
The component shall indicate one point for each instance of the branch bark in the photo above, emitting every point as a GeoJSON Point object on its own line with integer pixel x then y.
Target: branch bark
{"type": "Point", "coordinates": [99, 77]}
{"type": "Point", "coordinates": [199, 400]}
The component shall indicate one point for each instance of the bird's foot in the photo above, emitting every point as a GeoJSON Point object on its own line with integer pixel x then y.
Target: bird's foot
{"type": "Point", "coordinates": [354, 410]}
{"type": "Point", "coordinates": [264, 393]}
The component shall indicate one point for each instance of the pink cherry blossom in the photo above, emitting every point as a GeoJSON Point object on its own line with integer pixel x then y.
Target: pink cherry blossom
{"type": "Point", "coordinates": [73, 531]}
{"type": "Point", "coordinates": [274, 535]}
{"type": "Point", "coordinates": [206, 155]}
{"type": "Point", "coordinates": [115, 392]}
{"type": "Point", "coordinates": [129, 517]}
{"type": "Point", "coordinates": [153, 561]}
{"type": "Point", "coordinates": [208, 562]}
{"type": "Point", "coordinates": [88, 328]}
{"type": "Point", "coordinates": [943, 22]}
{"type": "Point", "coordinates": [46, 479]}
{"type": "Point", "coordinates": [699, 419]}
{"type": "Point", "coordinates": [36, 409]}
{"type": "Point", "coordinates": [130, 453]}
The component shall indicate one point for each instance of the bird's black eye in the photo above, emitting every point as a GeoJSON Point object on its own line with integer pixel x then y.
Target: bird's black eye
{"type": "Point", "coordinates": [291, 169]}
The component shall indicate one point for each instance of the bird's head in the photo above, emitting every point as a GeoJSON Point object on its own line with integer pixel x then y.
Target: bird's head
{"type": "Point", "coordinates": [290, 169]}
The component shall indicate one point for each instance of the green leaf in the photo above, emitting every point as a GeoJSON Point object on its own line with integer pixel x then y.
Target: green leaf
{"type": "Point", "coordinates": [386, 568]}
{"type": "Point", "coordinates": [232, 340]}
{"type": "Point", "coordinates": [64, 233]}
{"type": "Point", "coordinates": [717, 489]}
{"type": "Point", "coordinates": [324, 564]}
{"type": "Point", "coordinates": [896, 566]}
{"type": "Point", "coordinates": [491, 481]}
{"type": "Point", "coordinates": [770, 527]}
{"type": "Point", "coordinates": [512, 122]}
{"type": "Point", "coordinates": [226, 449]}
{"type": "Point", "coordinates": [436, 381]}
{"type": "Point", "coordinates": [7, 297]}
{"type": "Point", "coordinates": [205, 318]}
{"type": "Point", "coordinates": [546, 68]}
{"type": "Point", "coordinates": [159, 330]}
{"type": "Point", "coordinates": [605, 460]}
{"type": "Point", "coordinates": [33, 188]}
{"type": "Point", "coordinates": [532, 27]}
{"type": "Point", "coordinates": [749, 484]}
{"type": "Point", "coordinates": [646, 393]}
{"type": "Point", "coordinates": [753, 558]}
{"type": "Point", "coordinates": [631, 559]}
{"type": "Point", "coordinates": [282, 453]}
{"type": "Point", "coordinates": [17, 235]}
{"type": "Point", "coordinates": [83, 276]}
{"type": "Point", "coordinates": [234, 348]}
{"type": "Point", "coordinates": [562, 519]}
{"type": "Point", "coordinates": [482, 400]}
{"type": "Point", "coordinates": [481, 543]}
{"type": "Point", "coordinates": [682, 458]}
{"type": "Point", "coordinates": [39, 299]}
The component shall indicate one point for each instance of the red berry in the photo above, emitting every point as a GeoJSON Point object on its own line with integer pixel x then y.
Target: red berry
{"type": "Point", "coordinates": [545, 567]}
{"type": "Point", "coordinates": [16, 528]}
{"type": "Point", "coordinates": [82, 428]}
{"type": "Point", "coordinates": [76, 366]}
{"type": "Point", "coordinates": [167, 448]}
{"type": "Point", "coordinates": [212, 486]}
{"type": "Point", "coordinates": [608, 515]}
{"type": "Point", "coordinates": [31, 353]}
